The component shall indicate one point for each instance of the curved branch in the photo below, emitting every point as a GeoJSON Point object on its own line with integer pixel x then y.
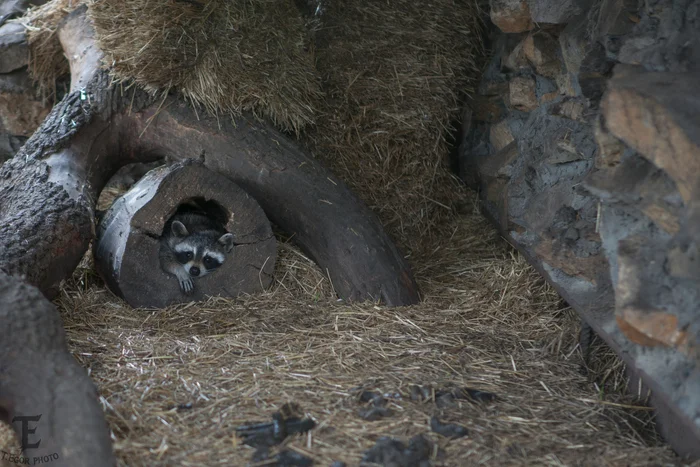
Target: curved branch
{"type": "Point", "coordinates": [307, 201]}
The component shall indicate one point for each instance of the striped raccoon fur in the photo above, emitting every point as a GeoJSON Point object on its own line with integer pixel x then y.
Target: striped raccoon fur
{"type": "Point", "coordinates": [193, 245]}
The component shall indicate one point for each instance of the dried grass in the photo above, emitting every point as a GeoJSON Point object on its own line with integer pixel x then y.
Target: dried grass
{"type": "Point", "coordinates": [393, 73]}
{"type": "Point", "coordinates": [229, 56]}
{"type": "Point", "coordinates": [488, 322]}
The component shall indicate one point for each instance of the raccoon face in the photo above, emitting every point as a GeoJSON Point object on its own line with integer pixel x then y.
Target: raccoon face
{"type": "Point", "coordinates": [200, 253]}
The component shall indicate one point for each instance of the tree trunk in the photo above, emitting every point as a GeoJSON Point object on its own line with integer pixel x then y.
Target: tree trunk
{"type": "Point", "coordinates": [42, 388]}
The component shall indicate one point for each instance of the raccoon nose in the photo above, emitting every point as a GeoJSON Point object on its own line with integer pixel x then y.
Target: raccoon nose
{"type": "Point", "coordinates": [194, 271]}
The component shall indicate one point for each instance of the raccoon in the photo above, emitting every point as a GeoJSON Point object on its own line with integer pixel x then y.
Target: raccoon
{"type": "Point", "coordinates": [193, 245]}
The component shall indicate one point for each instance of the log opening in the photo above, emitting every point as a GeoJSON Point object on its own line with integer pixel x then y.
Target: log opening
{"type": "Point", "coordinates": [130, 236]}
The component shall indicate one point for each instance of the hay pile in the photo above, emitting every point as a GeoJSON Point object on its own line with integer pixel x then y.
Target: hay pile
{"type": "Point", "coordinates": [392, 73]}
{"type": "Point", "coordinates": [229, 56]}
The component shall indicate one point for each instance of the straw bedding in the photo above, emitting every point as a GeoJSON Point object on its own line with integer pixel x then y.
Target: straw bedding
{"type": "Point", "coordinates": [392, 74]}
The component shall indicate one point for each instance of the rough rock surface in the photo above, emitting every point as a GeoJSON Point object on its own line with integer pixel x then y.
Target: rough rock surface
{"type": "Point", "coordinates": [597, 178]}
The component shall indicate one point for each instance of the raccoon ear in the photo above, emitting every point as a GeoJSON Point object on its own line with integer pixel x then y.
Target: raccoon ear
{"type": "Point", "coordinates": [179, 229]}
{"type": "Point", "coordinates": [227, 241]}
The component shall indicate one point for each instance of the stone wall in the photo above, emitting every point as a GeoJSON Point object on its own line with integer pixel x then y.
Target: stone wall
{"type": "Point", "coordinates": [584, 140]}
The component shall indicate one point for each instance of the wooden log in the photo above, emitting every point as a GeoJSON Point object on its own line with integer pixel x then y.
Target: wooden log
{"type": "Point", "coordinates": [128, 238]}
{"type": "Point", "coordinates": [309, 203]}
{"type": "Point", "coordinates": [42, 387]}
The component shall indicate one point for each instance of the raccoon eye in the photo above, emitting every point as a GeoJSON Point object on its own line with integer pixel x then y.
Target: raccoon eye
{"type": "Point", "coordinates": [184, 257]}
{"type": "Point", "coordinates": [211, 263]}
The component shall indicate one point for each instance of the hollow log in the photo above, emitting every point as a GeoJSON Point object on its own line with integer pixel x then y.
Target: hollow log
{"type": "Point", "coordinates": [128, 238]}
{"type": "Point", "coordinates": [44, 393]}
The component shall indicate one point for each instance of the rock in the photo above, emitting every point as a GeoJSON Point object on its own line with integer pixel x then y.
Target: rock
{"type": "Point", "coordinates": [556, 11]}
{"type": "Point", "coordinates": [584, 57]}
{"type": "Point", "coordinates": [487, 108]}
{"type": "Point", "coordinates": [617, 17]}
{"type": "Point", "coordinates": [542, 51]}
{"type": "Point", "coordinates": [549, 97]}
{"type": "Point", "coordinates": [521, 93]}
{"type": "Point", "coordinates": [568, 84]}
{"type": "Point", "coordinates": [501, 135]}
{"type": "Point", "coordinates": [658, 114]}
{"type": "Point", "coordinates": [498, 164]}
{"type": "Point", "coordinates": [14, 50]}
{"type": "Point", "coordinates": [610, 148]}
{"type": "Point", "coordinates": [372, 414]}
{"type": "Point", "coordinates": [639, 185]}
{"type": "Point", "coordinates": [634, 50]}
{"type": "Point", "coordinates": [448, 430]}
{"type": "Point", "coordinates": [392, 452]}
{"type": "Point", "coordinates": [664, 218]}
{"type": "Point", "coordinates": [559, 255]}
{"type": "Point", "coordinates": [570, 108]}
{"type": "Point", "coordinates": [684, 263]}
{"type": "Point", "coordinates": [636, 313]}
{"type": "Point", "coordinates": [21, 114]}
{"type": "Point", "coordinates": [545, 86]}
{"type": "Point", "coordinates": [516, 59]}
{"type": "Point", "coordinates": [664, 37]}
{"type": "Point", "coordinates": [511, 16]}
{"type": "Point", "coordinates": [651, 327]}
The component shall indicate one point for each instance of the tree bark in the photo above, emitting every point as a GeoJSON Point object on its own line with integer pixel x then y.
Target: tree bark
{"type": "Point", "coordinates": [43, 387]}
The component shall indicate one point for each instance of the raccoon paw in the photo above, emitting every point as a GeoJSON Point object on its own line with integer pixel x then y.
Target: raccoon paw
{"type": "Point", "coordinates": [186, 285]}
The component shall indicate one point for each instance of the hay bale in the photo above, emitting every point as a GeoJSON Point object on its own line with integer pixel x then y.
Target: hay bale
{"type": "Point", "coordinates": [395, 73]}
{"type": "Point", "coordinates": [230, 56]}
